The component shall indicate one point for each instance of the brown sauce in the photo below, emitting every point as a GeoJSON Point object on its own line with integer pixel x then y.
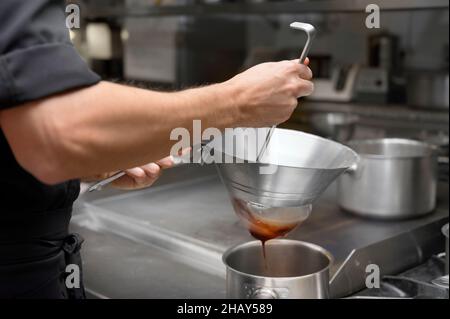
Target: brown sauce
{"type": "Point", "coordinates": [260, 228]}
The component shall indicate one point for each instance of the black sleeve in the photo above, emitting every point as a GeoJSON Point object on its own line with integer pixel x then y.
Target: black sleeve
{"type": "Point", "coordinates": [37, 58]}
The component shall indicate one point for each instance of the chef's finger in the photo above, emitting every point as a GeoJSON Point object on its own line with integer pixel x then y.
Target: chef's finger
{"type": "Point", "coordinates": [166, 163]}
{"type": "Point", "coordinates": [152, 171]}
{"type": "Point", "coordinates": [137, 174]}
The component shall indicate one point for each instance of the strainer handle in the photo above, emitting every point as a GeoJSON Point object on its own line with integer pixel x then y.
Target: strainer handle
{"type": "Point", "coordinates": [311, 33]}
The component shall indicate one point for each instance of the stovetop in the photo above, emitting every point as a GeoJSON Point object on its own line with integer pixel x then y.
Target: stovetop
{"type": "Point", "coordinates": [416, 283]}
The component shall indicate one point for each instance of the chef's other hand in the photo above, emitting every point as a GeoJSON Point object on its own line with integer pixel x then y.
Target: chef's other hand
{"type": "Point", "coordinates": [268, 93]}
{"type": "Point", "coordinates": [143, 176]}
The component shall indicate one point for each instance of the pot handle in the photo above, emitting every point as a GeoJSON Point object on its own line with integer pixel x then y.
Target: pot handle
{"type": "Point", "coordinates": [264, 293]}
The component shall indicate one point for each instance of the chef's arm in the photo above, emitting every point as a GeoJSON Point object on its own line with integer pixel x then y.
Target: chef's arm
{"type": "Point", "coordinates": [107, 127]}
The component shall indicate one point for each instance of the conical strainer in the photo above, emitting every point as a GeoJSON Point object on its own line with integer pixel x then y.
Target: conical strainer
{"type": "Point", "coordinates": [296, 168]}
{"type": "Point", "coordinates": [279, 189]}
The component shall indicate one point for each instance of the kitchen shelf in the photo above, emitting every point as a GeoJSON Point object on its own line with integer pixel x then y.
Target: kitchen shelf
{"type": "Point", "coordinates": [379, 115]}
{"type": "Point", "coordinates": [286, 7]}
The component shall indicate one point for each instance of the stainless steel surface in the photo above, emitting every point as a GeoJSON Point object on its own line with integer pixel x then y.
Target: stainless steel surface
{"type": "Point", "coordinates": [412, 246]}
{"type": "Point", "coordinates": [197, 216]}
{"type": "Point", "coordinates": [394, 179]}
{"type": "Point", "coordinates": [324, 6]}
{"type": "Point", "coordinates": [310, 34]}
{"type": "Point", "coordinates": [414, 283]}
{"type": "Point", "coordinates": [291, 270]}
{"type": "Point", "coordinates": [121, 268]}
{"type": "Point", "coordinates": [445, 232]}
{"type": "Point", "coordinates": [337, 126]}
{"type": "Point", "coordinates": [296, 169]}
{"type": "Point", "coordinates": [441, 282]}
{"type": "Point", "coordinates": [428, 89]}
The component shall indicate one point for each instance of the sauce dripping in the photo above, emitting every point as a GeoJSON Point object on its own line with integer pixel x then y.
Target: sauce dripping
{"type": "Point", "coordinates": [261, 228]}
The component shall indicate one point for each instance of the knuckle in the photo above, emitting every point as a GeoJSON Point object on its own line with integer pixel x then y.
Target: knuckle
{"type": "Point", "coordinates": [291, 88]}
{"type": "Point", "coordinates": [295, 67]}
{"type": "Point", "coordinates": [289, 66]}
{"type": "Point", "coordinates": [305, 88]}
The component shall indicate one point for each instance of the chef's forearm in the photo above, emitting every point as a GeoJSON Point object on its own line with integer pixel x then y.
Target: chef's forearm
{"type": "Point", "coordinates": [87, 132]}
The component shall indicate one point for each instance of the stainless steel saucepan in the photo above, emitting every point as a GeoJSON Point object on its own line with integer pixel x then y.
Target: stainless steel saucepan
{"type": "Point", "coordinates": [292, 270]}
{"type": "Point", "coordinates": [394, 179]}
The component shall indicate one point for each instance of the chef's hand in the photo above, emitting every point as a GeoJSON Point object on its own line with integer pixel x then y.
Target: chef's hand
{"type": "Point", "coordinates": [143, 176]}
{"type": "Point", "coordinates": [268, 93]}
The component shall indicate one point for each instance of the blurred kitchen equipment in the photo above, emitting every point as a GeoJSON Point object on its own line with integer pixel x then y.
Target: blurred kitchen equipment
{"type": "Point", "coordinates": [296, 168]}
{"type": "Point", "coordinates": [443, 281]}
{"type": "Point", "coordinates": [182, 51]}
{"type": "Point", "coordinates": [384, 51]}
{"type": "Point", "coordinates": [395, 179]}
{"type": "Point", "coordinates": [311, 34]}
{"type": "Point", "coordinates": [337, 126]}
{"type": "Point", "coordinates": [428, 89]}
{"type": "Point", "coordinates": [339, 87]}
{"type": "Point", "coordinates": [445, 232]}
{"type": "Point", "coordinates": [379, 82]}
{"type": "Point", "coordinates": [440, 140]}
{"type": "Point", "coordinates": [372, 85]}
{"type": "Point", "coordinates": [417, 246]}
{"type": "Point", "coordinates": [295, 270]}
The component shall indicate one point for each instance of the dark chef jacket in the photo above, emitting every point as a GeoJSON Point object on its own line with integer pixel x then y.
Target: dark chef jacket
{"type": "Point", "coordinates": [36, 60]}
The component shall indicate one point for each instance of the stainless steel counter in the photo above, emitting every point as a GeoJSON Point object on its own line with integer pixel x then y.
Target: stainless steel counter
{"type": "Point", "coordinates": [167, 241]}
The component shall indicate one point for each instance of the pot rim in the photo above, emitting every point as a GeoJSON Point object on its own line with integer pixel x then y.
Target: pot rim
{"type": "Point", "coordinates": [432, 149]}
{"type": "Point", "coordinates": [254, 242]}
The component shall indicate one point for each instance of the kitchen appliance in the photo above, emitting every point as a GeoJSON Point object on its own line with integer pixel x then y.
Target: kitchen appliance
{"type": "Point", "coordinates": [340, 87]}
{"type": "Point", "coordinates": [384, 51]}
{"type": "Point", "coordinates": [296, 168]}
{"type": "Point", "coordinates": [337, 126]}
{"type": "Point", "coordinates": [183, 51]}
{"type": "Point", "coordinates": [372, 85]}
{"type": "Point", "coordinates": [395, 179]}
{"type": "Point", "coordinates": [292, 269]}
{"type": "Point", "coordinates": [428, 89]}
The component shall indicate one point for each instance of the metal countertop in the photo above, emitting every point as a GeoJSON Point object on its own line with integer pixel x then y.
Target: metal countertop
{"type": "Point", "coordinates": [167, 241]}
